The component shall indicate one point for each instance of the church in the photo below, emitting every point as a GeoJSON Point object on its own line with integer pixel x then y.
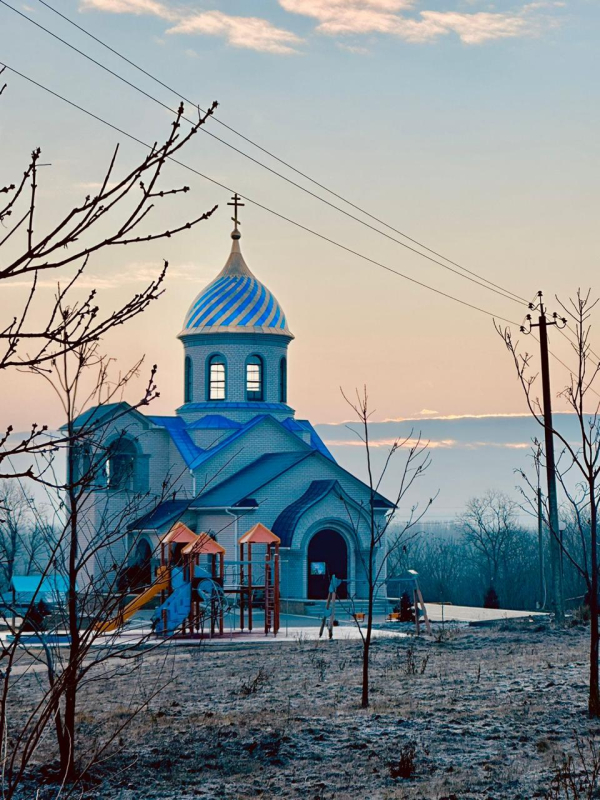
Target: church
{"type": "Point", "coordinates": [234, 453]}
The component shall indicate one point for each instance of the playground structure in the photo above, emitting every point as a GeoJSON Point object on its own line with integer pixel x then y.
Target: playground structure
{"type": "Point", "coordinates": [198, 588]}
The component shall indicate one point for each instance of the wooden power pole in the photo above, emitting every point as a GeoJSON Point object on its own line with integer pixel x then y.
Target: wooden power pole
{"type": "Point", "coordinates": [540, 518]}
{"type": "Point", "coordinates": [555, 554]}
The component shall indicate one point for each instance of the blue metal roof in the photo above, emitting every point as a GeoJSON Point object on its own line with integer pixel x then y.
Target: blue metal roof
{"type": "Point", "coordinates": [286, 522]}
{"type": "Point", "coordinates": [162, 515]}
{"type": "Point", "coordinates": [97, 413]}
{"type": "Point", "coordinates": [235, 302]}
{"type": "Point", "coordinates": [29, 584]}
{"type": "Point", "coordinates": [303, 425]}
{"type": "Point", "coordinates": [206, 454]}
{"type": "Point", "coordinates": [215, 422]}
{"type": "Point", "coordinates": [183, 441]}
{"type": "Point", "coordinates": [245, 405]}
{"type": "Point", "coordinates": [239, 488]}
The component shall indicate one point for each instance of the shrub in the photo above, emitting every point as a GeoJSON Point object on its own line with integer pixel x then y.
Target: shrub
{"type": "Point", "coordinates": [491, 599]}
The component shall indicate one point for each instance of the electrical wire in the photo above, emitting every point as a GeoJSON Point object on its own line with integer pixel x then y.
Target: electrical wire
{"type": "Point", "coordinates": [261, 205]}
{"type": "Point", "coordinates": [476, 278]}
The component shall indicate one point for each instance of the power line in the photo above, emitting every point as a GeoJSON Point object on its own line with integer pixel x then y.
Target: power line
{"type": "Point", "coordinates": [261, 205]}
{"type": "Point", "coordinates": [476, 278]}
{"type": "Point", "coordinates": [284, 218]}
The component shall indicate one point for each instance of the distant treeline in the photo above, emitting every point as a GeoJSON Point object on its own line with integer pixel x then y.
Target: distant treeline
{"type": "Point", "coordinates": [486, 546]}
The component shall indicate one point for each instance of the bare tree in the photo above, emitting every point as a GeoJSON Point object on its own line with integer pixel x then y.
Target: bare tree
{"type": "Point", "coordinates": [62, 346]}
{"type": "Point", "coordinates": [379, 550]}
{"type": "Point", "coordinates": [91, 597]}
{"type": "Point", "coordinates": [580, 458]}
{"type": "Point", "coordinates": [490, 525]}
{"type": "Point", "coordinates": [117, 215]}
{"type": "Point", "coordinates": [22, 537]}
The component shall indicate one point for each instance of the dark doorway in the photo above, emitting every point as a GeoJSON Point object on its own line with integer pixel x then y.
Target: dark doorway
{"type": "Point", "coordinates": [327, 556]}
{"type": "Point", "coordinates": [143, 563]}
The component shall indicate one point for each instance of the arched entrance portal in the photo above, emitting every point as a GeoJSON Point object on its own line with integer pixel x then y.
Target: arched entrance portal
{"type": "Point", "coordinates": [143, 563]}
{"type": "Point", "coordinates": [327, 556]}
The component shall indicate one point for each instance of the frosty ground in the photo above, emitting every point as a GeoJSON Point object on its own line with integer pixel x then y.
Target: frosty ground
{"type": "Point", "coordinates": [490, 713]}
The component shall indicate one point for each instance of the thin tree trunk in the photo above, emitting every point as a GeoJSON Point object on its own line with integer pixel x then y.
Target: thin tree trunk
{"type": "Point", "coordinates": [367, 646]}
{"type": "Point", "coordinates": [594, 700]}
{"type": "Point", "coordinates": [67, 740]}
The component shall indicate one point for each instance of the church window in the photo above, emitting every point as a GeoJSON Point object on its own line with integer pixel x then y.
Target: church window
{"type": "Point", "coordinates": [254, 378]}
{"type": "Point", "coordinates": [188, 381]}
{"type": "Point", "coordinates": [216, 378]}
{"type": "Point", "coordinates": [283, 380]}
{"type": "Point", "coordinates": [120, 464]}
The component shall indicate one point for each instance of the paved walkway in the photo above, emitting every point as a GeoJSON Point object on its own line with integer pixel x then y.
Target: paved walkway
{"type": "Point", "coordinates": [449, 613]}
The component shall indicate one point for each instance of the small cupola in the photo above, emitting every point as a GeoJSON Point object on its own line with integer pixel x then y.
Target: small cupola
{"type": "Point", "coordinates": [235, 338]}
{"type": "Point", "coordinates": [236, 301]}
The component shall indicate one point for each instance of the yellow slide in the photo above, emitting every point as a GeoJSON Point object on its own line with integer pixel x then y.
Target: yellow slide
{"type": "Point", "coordinates": [161, 582]}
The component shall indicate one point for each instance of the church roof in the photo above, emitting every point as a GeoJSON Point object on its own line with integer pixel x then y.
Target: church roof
{"type": "Point", "coordinates": [237, 490]}
{"type": "Point", "coordinates": [286, 522]}
{"type": "Point", "coordinates": [235, 302]}
{"type": "Point", "coordinates": [214, 422]}
{"type": "Point", "coordinates": [176, 428]}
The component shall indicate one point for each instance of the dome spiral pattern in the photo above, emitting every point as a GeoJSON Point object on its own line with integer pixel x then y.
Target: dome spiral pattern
{"type": "Point", "coordinates": [236, 302]}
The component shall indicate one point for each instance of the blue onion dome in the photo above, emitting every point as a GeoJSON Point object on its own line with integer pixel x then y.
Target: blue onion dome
{"type": "Point", "coordinates": [235, 302]}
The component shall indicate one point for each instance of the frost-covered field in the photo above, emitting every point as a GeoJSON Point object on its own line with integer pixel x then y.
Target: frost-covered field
{"type": "Point", "coordinates": [487, 710]}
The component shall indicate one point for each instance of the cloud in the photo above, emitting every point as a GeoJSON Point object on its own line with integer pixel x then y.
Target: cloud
{"type": "Point", "coordinates": [341, 19]}
{"type": "Point", "coordinates": [359, 17]}
{"type": "Point", "coordinates": [408, 443]}
{"type": "Point", "coordinates": [432, 444]}
{"type": "Point", "coordinates": [130, 7]}
{"type": "Point", "coordinates": [354, 48]}
{"type": "Point", "coordinates": [456, 416]}
{"type": "Point", "coordinates": [93, 186]}
{"type": "Point", "coordinates": [479, 27]}
{"type": "Point", "coordinates": [252, 33]}
{"type": "Point", "coordinates": [131, 274]}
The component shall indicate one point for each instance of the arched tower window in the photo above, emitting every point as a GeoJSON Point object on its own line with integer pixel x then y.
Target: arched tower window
{"type": "Point", "coordinates": [217, 378]}
{"type": "Point", "coordinates": [254, 378]}
{"type": "Point", "coordinates": [120, 464]}
{"type": "Point", "coordinates": [188, 390]}
{"type": "Point", "coordinates": [283, 380]}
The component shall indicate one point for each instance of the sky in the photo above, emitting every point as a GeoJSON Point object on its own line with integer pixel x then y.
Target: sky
{"type": "Point", "coordinates": [470, 126]}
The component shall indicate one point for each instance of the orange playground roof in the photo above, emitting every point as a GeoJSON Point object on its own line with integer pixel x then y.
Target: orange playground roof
{"type": "Point", "coordinates": [203, 544]}
{"type": "Point", "coordinates": [259, 534]}
{"type": "Point", "coordinates": [179, 533]}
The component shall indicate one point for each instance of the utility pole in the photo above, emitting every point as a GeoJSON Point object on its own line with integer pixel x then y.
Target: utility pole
{"type": "Point", "coordinates": [555, 549]}
{"type": "Point", "coordinates": [540, 513]}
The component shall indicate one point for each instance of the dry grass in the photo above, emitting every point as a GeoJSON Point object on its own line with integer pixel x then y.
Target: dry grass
{"type": "Point", "coordinates": [488, 713]}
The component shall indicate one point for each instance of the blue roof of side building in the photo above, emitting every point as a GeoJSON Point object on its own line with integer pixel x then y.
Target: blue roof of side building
{"type": "Point", "coordinates": [29, 584]}
{"type": "Point", "coordinates": [167, 512]}
{"type": "Point", "coordinates": [103, 414]}
{"type": "Point", "coordinates": [238, 489]}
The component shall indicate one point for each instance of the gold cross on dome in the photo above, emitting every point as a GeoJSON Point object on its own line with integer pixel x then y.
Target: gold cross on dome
{"type": "Point", "coordinates": [236, 204]}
